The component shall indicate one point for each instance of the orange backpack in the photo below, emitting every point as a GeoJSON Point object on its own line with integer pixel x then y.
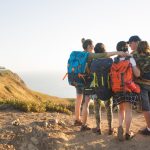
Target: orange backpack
{"type": "Point", "coordinates": [122, 77]}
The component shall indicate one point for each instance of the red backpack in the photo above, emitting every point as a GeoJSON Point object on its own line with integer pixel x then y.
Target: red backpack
{"type": "Point", "coordinates": [121, 75]}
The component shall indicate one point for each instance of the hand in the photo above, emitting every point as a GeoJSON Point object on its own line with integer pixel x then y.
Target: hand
{"type": "Point", "coordinates": [123, 54]}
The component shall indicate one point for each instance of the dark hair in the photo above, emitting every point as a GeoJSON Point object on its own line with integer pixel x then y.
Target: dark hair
{"type": "Point", "coordinates": [86, 43]}
{"type": "Point", "coordinates": [143, 47]}
{"type": "Point", "coordinates": [99, 48]}
{"type": "Point", "coordinates": [122, 46]}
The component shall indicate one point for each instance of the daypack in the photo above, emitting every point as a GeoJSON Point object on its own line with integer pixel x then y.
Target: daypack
{"type": "Point", "coordinates": [122, 76]}
{"type": "Point", "coordinates": [76, 69]}
{"type": "Point", "coordinates": [101, 69]}
{"type": "Point", "coordinates": [143, 63]}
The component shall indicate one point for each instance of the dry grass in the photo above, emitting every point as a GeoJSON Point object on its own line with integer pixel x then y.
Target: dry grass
{"type": "Point", "coordinates": [14, 92]}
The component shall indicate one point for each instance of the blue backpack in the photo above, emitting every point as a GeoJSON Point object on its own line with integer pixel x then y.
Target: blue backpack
{"type": "Point", "coordinates": [76, 68]}
{"type": "Point", "coordinates": [101, 69]}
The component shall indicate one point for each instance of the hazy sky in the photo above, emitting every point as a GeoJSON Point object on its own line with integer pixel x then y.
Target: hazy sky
{"type": "Point", "coordinates": [38, 35]}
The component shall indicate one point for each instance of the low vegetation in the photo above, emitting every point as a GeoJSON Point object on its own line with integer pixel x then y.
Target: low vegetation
{"type": "Point", "coordinates": [32, 106]}
{"type": "Point", "coordinates": [15, 93]}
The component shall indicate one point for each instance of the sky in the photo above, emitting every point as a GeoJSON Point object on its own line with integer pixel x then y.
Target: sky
{"type": "Point", "coordinates": [39, 35]}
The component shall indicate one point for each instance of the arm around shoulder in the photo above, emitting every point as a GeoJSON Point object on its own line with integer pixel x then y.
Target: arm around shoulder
{"type": "Point", "coordinates": [107, 54]}
{"type": "Point", "coordinates": [97, 55]}
{"type": "Point", "coordinates": [123, 54]}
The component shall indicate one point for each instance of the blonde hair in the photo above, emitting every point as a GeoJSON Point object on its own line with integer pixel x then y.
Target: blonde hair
{"type": "Point", "coordinates": [143, 47]}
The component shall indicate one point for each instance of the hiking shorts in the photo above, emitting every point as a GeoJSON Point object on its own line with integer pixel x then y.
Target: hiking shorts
{"type": "Point", "coordinates": [85, 91]}
{"type": "Point", "coordinates": [79, 90]}
{"type": "Point", "coordinates": [145, 95]}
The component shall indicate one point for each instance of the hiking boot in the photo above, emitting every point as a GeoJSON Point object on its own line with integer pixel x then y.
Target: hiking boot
{"type": "Point", "coordinates": [85, 128]}
{"type": "Point", "coordinates": [129, 136]}
{"type": "Point", "coordinates": [96, 130]}
{"type": "Point", "coordinates": [145, 132]}
{"type": "Point", "coordinates": [77, 123]}
{"type": "Point", "coordinates": [120, 133]}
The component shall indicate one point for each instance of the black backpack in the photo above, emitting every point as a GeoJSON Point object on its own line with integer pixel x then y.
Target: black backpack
{"type": "Point", "coordinates": [101, 69]}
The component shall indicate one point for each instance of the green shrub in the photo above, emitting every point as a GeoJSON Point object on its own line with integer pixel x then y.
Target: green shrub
{"type": "Point", "coordinates": [58, 108]}
{"type": "Point", "coordinates": [32, 106]}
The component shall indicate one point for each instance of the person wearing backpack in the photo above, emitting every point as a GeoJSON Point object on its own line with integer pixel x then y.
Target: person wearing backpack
{"type": "Point", "coordinates": [88, 48]}
{"type": "Point", "coordinates": [143, 62]}
{"type": "Point", "coordinates": [125, 90]}
{"type": "Point", "coordinates": [100, 74]}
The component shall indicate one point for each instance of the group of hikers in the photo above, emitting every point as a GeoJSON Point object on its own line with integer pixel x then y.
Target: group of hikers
{"type": "Point", "coordinates": [124, 95]}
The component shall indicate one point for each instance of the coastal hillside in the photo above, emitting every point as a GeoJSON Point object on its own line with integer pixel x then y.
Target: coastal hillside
{"type": "Point", "coordinates": [13, 90]}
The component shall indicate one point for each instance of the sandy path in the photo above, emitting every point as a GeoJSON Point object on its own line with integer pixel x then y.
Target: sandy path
{"type": "Point", "coordinates": [31, 134]}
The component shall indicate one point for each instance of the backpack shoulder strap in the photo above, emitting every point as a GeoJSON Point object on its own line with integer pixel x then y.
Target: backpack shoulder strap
{"type": "Point", "coordinates": [128, 57]}
{"type": "Point", "coordinates": [116, 59]}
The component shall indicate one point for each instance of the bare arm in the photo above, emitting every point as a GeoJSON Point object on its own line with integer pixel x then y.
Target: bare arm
{"type": "Point", "coordinates": [117, 53]}
{"type": "Point", "coordinates": [107, 54]}
{"type": "Point", "coordinates": [136, 71]}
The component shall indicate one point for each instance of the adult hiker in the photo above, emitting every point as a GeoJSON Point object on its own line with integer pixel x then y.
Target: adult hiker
{"type": "Point", "coordinates": [143, 62]}
{"type": "Point", "coordinates": [124, 88]}
{"type": "Point", "coordinates": [101, 84]}
{"type": "Point", "coordinates": [133, 44]}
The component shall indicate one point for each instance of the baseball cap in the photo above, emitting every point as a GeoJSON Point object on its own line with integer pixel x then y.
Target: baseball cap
{"type": "Point", "coordinates": [134, 38]}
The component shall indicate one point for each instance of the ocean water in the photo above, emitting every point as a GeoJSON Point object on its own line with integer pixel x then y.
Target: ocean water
{"type": "Point", "coordinates": [49, 83]}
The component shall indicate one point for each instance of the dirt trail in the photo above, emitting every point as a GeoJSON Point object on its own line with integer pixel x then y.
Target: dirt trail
{"type": "Point", "coordinates": [55, 131]}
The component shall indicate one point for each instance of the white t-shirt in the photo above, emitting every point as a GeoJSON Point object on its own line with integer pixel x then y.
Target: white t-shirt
{"type": "Point", "coordinates": [132, 61]}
